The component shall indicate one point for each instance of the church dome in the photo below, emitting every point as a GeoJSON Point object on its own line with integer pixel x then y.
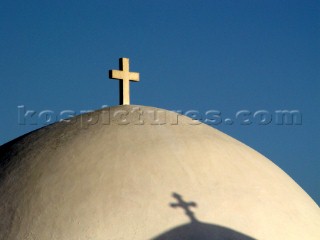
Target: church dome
{"type": "Point", "coordinates": [135, 172]}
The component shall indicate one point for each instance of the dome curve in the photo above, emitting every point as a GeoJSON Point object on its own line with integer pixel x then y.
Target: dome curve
{"type": "Point", "coordinates": [110, 175]}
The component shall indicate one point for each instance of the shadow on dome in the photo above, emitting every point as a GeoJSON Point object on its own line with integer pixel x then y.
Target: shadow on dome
{"type": "Point", "coordinates": [7, 151]}
{"type": "Point", "coordinates": [202, 231]}
{"type": "Point", "coordinates": [197, 230]}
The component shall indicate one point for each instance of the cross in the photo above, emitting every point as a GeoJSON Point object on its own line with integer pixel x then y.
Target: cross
{"type": "Point", "coordinates": [125, 76]}
{"type": "Point", "coordinates": [184, 205]}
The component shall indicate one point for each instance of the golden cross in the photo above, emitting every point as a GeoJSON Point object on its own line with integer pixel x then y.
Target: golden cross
{"type": "Point", "coordinates": [125, 76]}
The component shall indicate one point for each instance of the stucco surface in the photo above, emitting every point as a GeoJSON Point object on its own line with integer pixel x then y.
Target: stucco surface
{"type": "Point", "coordinates": [110, 175]}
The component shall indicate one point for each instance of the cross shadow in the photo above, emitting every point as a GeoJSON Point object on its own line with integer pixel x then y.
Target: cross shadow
{"type": "Point", "coordinates": [196, 230]}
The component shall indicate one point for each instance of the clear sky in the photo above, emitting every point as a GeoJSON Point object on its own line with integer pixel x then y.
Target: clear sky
{"type": "Point", "coordinates": [192, 55]}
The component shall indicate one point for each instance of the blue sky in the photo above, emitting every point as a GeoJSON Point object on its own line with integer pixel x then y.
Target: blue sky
{"type": "Point", "coordinates": [191, 55]}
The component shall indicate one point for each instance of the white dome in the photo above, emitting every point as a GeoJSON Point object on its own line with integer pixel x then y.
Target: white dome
{"type": "Point", "coordinates": [100, 180]}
